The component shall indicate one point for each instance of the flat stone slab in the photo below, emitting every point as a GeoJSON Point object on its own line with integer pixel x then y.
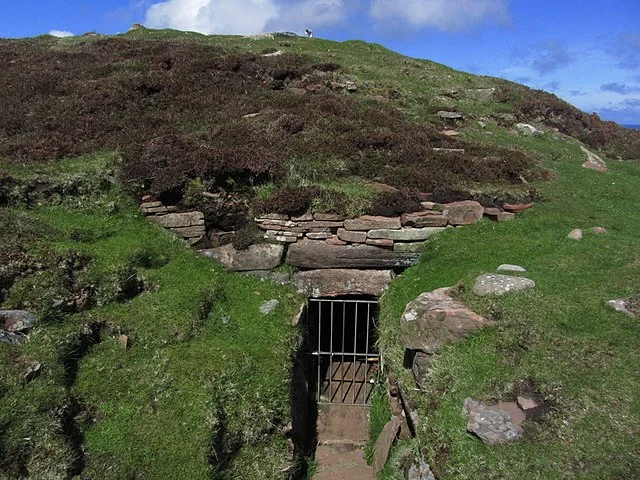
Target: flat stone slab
{"type": "Point", "coordinates": [409, 247]}
{"type": "Point", "coordinates": [352, 236]}
{"type": "Point", "coordinates": [17, 320]}
{"type": "Point", "coordinates": [261, 256]}
{"type": "Point", "coordinates": [369, 222]}
{"type": "Point", "coordinates": [335, 282]}
{"type": "Point", "coordinates": [494, 284]}
{"type": "Point", "coordinates": [175, 220]}
{"type": "Point", "coordinates": [269, 306]}
{"type": "Point", "coordinates": [405, 234]}
{"type": "Point", "coordinates": [493, 424]}
{"type": "Point", "coordinates": [384, 443]}
{"type": "Point", "coordinates": [321, 255]}
{"type": "Point", "coordinates": [622, 306]}
{"type": "Point", "coordinates": [428, 218]}
{"type": "Point", "coordinates": [449, 115]}
{"type": "Point", "coordinates": [434, 319]}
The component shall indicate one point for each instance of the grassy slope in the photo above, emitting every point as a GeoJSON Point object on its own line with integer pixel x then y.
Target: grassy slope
{"type": "Point", "coordinates": [191, 384]}
{"type": "Point", "coordinates": [580, 355]}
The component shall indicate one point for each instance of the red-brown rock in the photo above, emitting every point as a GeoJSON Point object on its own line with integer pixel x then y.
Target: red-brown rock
{"type": "Point", "coordinates": [463, 213]}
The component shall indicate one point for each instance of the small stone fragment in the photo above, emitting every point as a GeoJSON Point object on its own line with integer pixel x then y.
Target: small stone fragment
{"type": "Point", "coordinates": [123, 341]}
{"type": "Point", "coordinates": [9, 338]}
{"type": "Point", "coordinates": [420, 471]}
{"type": "Point", "coordinates": [593, 161]}
{"type": "Point", "coordinates": [599, 230]}
{"type": "Point", "coordinates": [526, 403]}
{"type": "Point", "coordinates": [518, 207]}
{"type": "Point", "coordinates": [17, 320]}
{"type": "Point", "coordinates": [575, 234]}
{"type": "Point", "coordinates": [506, 267]}
{"type": "Point", "coordinates": [31, 372]}
{"type": "Point", "coordinates": [622, 306]}
{"type": "Point", "coordinates": [505, 216]}
{"type": "Point", "coordinates": [384, 443]}
{"type": "Point", "coordinates": [527, 129]}
{"type": "Point", "coordinates": [269, 306]}
{"type": "Point", "coordinates": [449, 115]}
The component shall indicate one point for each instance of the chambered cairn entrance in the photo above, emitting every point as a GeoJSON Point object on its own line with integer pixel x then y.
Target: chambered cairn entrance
{"type": "Point", "coordinates": [342, 359]}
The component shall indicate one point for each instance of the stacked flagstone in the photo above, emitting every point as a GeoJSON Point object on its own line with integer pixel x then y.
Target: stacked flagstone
{"type": "Point", "coordinates": [187, 225]}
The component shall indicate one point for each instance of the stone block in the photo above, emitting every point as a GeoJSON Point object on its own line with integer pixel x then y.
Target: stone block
{"type": "Point", "coordinates": [176, 220]}
{"type": "Point", "coordinates": [463, 213]}
{"type": "Point", "coordinates": [380, 242]}
{"type": "Point", "coordinates": [369, 222]}
{"type": "Point", "coordinates": [352, 236]}
{"type": "Point", "coordinates": [320, 255]}
{"type": "Point", "coordinates": [256, 257]}
{"type": "Point", "coordinates": [336, 282]}
{"type": "Point", "coordinates": [428, 218]}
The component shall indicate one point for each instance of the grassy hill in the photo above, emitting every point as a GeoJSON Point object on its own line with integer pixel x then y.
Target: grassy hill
{"type": "Point", "coordinates": [91, 124]}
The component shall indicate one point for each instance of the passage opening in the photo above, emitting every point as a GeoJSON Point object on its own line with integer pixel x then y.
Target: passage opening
{"type": "Point", "coordinates": [342, 358]}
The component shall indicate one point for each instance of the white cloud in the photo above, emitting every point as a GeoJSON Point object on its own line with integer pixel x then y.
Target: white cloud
{"type": "Point", "coordinates": [60, 33]}
{"type": "Point", "coordinates": [446, 15]}
{"type": "Point", "coordinates": [298, 15]}
{"type": "Point", "coordinates": [213, 16]}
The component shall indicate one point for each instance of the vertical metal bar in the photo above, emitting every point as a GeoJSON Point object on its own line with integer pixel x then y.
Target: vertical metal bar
{"type": "Point", "coordinates": [343, 396]}
{"type": "Point", "coordinates": [366, 357]}
{"type": "Point", "coordinates": [331, 357]}
{"type": "Point", "coordinates": [319, 357]}
{"type": "Point", "coordinates": [355, 339]}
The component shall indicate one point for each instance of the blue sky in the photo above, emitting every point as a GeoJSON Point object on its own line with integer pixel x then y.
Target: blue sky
{"type": "Point", "coordinates": [585, 51]}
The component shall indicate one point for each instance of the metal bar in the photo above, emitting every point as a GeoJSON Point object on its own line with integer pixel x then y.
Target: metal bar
{"type": "Point", "coordinates": [318, 380]}
{"type": "Point", "coordinates": [331, 356]}
{"type": "Point", "coordinates": [355, 347]}
{"type": "Point", "coordinates": [320, 300]}
{"type": "Point", "coordinates": [366, 356]}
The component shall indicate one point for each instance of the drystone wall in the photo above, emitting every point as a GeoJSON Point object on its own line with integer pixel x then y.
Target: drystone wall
{"type": "Point", "coordinates": [332, 255]}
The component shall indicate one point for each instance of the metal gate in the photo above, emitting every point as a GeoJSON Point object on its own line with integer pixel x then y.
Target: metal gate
{"type": "Point", "coordinates": [342, 356]}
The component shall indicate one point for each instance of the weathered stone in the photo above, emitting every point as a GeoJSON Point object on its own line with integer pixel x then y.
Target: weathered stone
{"type": "Point", "coordinates": [283, 238]}
{"type": "Point", "coordinates": [335, 282]}
{"type": "Point", "coordinates": [319, 235]}
{"type": "Point", "coordinates": [575, 234]}
{"type": "Point", "coordinates": [9, 338]}
{"type": "Point", "coordinates": [449, 115]}
{"type": "Point", "coordinates": [494, 284]}
{"type": "Point", "coordinates": [17, 320]}
{"type": "Point", "coordinates": [198, 242]}
{"type": "Point", "coordinates": [271, 216]}
{"type": "Point", "coordinates": [505, 216]}
{"type": "Point", "coordinates": [405, 234]}
{"type": "Point", "coordinates": [527, 129]}
{"type": "Point", "coordinates": [269, 306]}
{"type": "Point", "coordinates": [147, 205]}
{"type": "Point", "coordinates": [189, 232]}
{"type": "Point", "coordinates": [429, 218]}
{"type": "Point", "coordinates": [492, 211]}
{"type": "Point", "coordinates": [380, 242]}
{"type": "Point", "coordinates": [156, 210]}
{"type": "Point", "coordinates": [283, 233]}
{"type": "Point", "coordinates": [428, 205]}
{"type": "Point", "coordinates": [420, 368]}
{"type": "Point", "coordinates": [480, 94]}
{"type": "Point", "coordinates": [622, 306]}
{"type": "Point", "coordinates": [277, 223]}
{"type": "Point", "coordinates": [408, 247]}
{"type": "Point", "coordinates": [256, 257]}
{"type": "Point", "coordinates": [311, 254]}
{"type": "Point", "coordinates": [384, 443]}
{"type": "Point", "coordinates": [176, 220]}
{"type": "Point", "coordinates": [492, 424]}
{"type": "Point", "coordinates": [307, 217]}
{"type": "Point", "coordinates": [312, 225]}
{"type": "Point", "coordinates": [352, 236]}
{"type": "Point", "coordinates": [220, 238]}
{"type": "Point", "coordinates": [368, 222]}
{"type": "Point", "coordinates": [420, 471]}
{"type": "Point", "coordinates": [594, 162]}
{"type": "Point", "coordinates": [123, 341]}
{"type": "Point", "coordinates": [526, 403]}
{"type": "Point", "coordinates": [518, 207]}
{"type": "Point", "coordinates": [463, 213]}
{"type": "Point", "coordinates": [334, 240]}
{"type": "Point", "coordinates": [598, 230]}
{"type": "Point", "coordinates": [328, 217]}
{"type": "Point", "coordinates": [32, 371]}
{"type": "Point", "coordinates": [448, 150]}
{"type": "Point", "coordinates": [450, 133]}
{"type": "Point", "coordinates": [507, 267]}
{"type": "Point", "coordinates": [434, 319]}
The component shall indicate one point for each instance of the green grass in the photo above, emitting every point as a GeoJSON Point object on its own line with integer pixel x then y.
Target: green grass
{"type": "Point", "coordinates": [560, 337]}
{"type": "Point", "coordinates": [203, 389]}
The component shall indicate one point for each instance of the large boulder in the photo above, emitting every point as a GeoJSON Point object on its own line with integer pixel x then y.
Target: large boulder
{"type": "Point", "coordinates": [261, 256]}
{"type": "Point", "coordinates": [17, 320]}
{"type": "Point", "coordinates": [435, 319]}
{"type": "Point", "coordinates": [314, 255]}
{"type": "Point", "coordinates": [494, 284]}
{"type": "Point", "coordinates": [334, 282]}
